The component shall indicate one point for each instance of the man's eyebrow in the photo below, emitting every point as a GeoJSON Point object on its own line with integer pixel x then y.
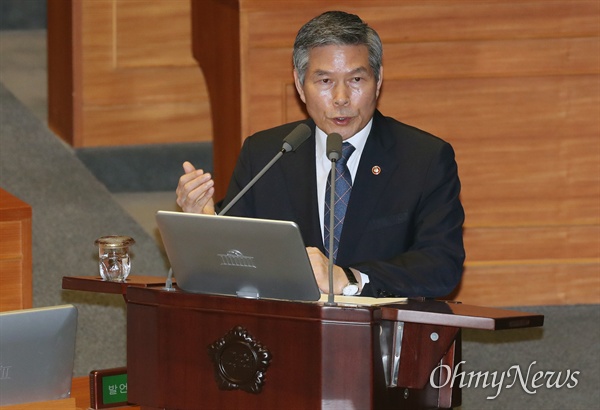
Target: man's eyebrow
{"type": "Point", "coordinates": [324, 73]}
{"type": "Point", "coordinates": [321, 73]}
{"type": "Point", "coordinates": [359, 70]}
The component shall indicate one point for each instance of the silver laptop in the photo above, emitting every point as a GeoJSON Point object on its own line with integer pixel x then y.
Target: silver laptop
{"type": "Point", "coordinates": [245, 257]}
{"type": "Point", "coordinates": [37, 351]}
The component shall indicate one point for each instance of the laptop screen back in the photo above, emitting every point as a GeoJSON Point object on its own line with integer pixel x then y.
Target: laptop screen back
{"type": "Point", "coordinates": [246, 257]}
{"type": "Point", "coordinates": [37, 351]}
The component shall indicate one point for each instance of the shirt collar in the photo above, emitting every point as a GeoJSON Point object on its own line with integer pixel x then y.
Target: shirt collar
{"type": "Point", "coordinates": [358, 140]}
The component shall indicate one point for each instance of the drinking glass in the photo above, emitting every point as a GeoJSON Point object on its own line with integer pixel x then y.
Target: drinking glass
{"type": "Point", "coordinates": [114, 259]}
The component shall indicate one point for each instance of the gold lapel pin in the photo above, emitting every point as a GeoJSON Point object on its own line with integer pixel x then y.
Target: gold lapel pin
{"type": "Point", "coordinates": [376, 170]}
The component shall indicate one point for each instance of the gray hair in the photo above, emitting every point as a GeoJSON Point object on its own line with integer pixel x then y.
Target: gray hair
{"type": "Point", "coordinates": [336, 28]}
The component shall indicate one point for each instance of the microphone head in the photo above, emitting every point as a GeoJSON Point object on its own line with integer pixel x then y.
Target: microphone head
{"type": "Point", "coordinates": [334, 146]}
{"type": "Point", "coordinates": [295, 138]}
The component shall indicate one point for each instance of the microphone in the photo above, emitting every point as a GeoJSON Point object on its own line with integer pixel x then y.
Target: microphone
{"type": "Point", "coordinates": [334, 146]}
{"type": "Point", "coordinates": [295, 138]}
{"type": "Point", "coordinates": [334, 152]}
{"type": "Point", "coordinates": [290, 143]}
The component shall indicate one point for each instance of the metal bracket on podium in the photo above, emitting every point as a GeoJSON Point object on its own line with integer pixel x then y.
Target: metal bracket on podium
{"type": "Point", "coordinates": [391, 347]}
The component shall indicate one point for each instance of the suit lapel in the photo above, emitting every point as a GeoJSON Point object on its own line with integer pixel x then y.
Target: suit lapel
{"type": "Point", "coordinates": [299, 170]}
{"type": "Point", "coordinates": [368, 186]}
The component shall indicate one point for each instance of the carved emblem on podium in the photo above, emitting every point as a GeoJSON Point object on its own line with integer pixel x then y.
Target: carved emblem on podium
{"type": "Point", "coordinates": [240, 361]}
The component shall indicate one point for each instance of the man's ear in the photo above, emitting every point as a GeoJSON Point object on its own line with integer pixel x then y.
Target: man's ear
{"type": "Point", "coordinates": [299, 87]}
{"type": "Point", "coordinates": [380, 82]}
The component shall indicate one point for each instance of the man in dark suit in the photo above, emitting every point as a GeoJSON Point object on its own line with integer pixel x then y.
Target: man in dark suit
{"type": "Point", "coordinates": [402, 230]}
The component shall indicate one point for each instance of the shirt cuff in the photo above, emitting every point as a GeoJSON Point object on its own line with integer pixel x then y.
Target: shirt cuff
{"type": "Point", "coordinates": [364, 280]}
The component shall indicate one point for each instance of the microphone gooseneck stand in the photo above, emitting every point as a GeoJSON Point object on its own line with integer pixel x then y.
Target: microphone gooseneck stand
{"type": "Point", "coordinates": [334, 152]}
{"type": "Point", "coordinates": [293, 140]}
{"type": "Point", "coordinates": [330, 297]}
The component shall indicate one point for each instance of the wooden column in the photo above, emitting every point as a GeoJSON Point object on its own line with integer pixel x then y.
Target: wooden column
{"type": "Point", "coordinates": [15, 253]}
{"type": "Point", "coordinates": [216, 47]}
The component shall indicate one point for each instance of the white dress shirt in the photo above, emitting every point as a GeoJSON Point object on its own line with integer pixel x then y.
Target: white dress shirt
{"type": "Point", "coordinates": [323, 165]}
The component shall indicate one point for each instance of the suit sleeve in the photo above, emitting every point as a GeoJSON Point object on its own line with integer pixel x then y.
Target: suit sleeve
{"type": "Point", "coordinates": [432, 265]}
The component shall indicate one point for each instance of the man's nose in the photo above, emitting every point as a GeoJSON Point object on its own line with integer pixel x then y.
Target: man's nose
{"type": "Point", "coordinates": [341, 95]}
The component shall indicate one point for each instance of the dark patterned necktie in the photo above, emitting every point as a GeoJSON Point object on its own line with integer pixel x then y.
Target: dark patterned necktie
{"type": "Point", "coordinates": [343, 187]}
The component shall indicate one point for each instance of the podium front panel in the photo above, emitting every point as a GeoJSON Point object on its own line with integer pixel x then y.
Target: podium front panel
{"type": "Point", "coordinates": [189, 351]}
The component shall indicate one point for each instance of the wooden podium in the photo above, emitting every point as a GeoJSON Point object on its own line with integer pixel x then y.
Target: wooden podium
{"type": "Point", "coordinates": [192, 351]}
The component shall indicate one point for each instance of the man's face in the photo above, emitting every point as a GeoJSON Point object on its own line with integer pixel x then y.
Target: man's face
{"type": "Point", "coordinates": [340, 90]}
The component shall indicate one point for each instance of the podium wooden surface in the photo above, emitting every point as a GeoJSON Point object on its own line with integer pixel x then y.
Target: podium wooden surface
{"type": "Point", "coordinates": [190, 351]}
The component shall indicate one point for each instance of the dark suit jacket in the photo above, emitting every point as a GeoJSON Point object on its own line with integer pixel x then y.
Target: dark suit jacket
{"type": "Point", "coordinates": [403, 227]}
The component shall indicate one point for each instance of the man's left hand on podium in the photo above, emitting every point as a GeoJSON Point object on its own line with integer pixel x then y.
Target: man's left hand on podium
{"type": "Point", "coordinates": [320, 266]}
